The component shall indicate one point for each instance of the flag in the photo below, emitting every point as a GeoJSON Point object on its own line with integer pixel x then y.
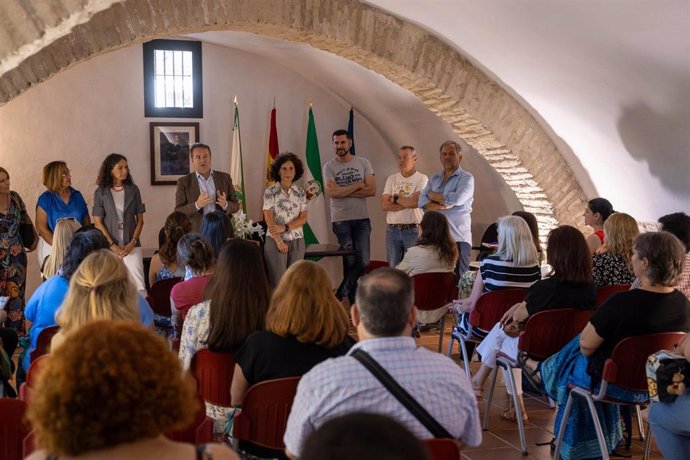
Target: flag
{"type": "Point", "coordinates": [273, 149]}
{"type": "Point", "coordinates": [316, 229]}
{"type": "Point", "coordinates": [236, 167]}
{"type": "Point", "coordinates": [351, 130]}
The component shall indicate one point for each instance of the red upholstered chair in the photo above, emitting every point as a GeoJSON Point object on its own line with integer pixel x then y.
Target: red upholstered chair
{"type": "Point", "coordinates": [260, 426]}
{"type": "Point", "coordinates": [489, 310]}
{"type": "Point", "coordinates": [625, 369]}
{"type": "Point", "coordinates": [374, 264]}
{"type": "Point", "coordinates": [43, 342]}
{"type": "Point", "coordinates": [213, 372]}
{"type": "Point", "coordinates": [31, 378]}
{"type": "Point", "coordinates": [604, 292]}
{"type": "Point", "coordinates": [433, 291]}
{"type": "Point", "coordinates": [159, 296]}
{"type": "Point", "coordinates": [545, 333]}
{"type": "Point", "coordinates": [13, 428]}
{"type": "Point", "coordinates": [443, 449]}
{"type": "Point", "coordinates": [200, 431]}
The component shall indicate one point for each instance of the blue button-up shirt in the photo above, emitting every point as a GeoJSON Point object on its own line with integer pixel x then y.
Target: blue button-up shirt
{"type": "Point", "coordinates": [458, 192]}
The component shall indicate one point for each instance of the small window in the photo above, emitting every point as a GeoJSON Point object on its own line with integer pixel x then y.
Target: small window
{"type": "Point", "coordinates": [172, 79]}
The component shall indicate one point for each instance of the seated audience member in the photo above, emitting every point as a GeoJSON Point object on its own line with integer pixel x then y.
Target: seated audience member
{"type": "Point", "coordinates": [64, 231]}
{"type": "Point", "coordinates": [514, 265]}
{"type": "Point", "coordinates": [569, 285]}
{"type": "Point", "coordinates": [596, 213]}
{"type": "Point", "coordinates": [100, 288]}
{"type": "Point", "coordinates": [164, 264]}
{"type": "Point", "coordinates": [670, 422]}
{"type": "Point", "coordinates": [435, 252]}
{"type": "Point", "coordinates": [197, 257]}
{"type": "Point", "coordinates": [237, 300]}
{"type": "Point", "coordinates": [678, 224]}
{"type": "Point", "coordinates": [655, 307]}
{"type": "Point", "coordinates": [611, 264]}
{"type": "Point", "coordinates": [47, 298]}
{"type": "Point", "coordinates": [384, 316]}
{"type": "Point", "coordinates": [134, 394]}
{"type": "Point", "coordinates": [8, 344]}
{"type": "Point", "coordinates": [534, 229]}
{"type": "Point", "coordinates": [305, 325]}
{"type": "Point", "coordinates": [217, 229]}
{"type": "Point", "coordinates": [363, 436]}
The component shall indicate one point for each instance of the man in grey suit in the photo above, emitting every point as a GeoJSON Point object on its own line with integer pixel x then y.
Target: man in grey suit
{"type": "Point", "coordinates": [204, 190]}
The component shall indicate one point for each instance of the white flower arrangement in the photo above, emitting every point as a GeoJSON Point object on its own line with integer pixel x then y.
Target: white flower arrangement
{"type": "Point", "coordinates": [244, 227]}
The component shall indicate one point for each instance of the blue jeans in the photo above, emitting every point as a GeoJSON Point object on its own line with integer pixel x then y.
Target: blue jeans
{"type": "Point", "coordinates": [352, 234]}
{"type": "Point", "coordinates": [671, 427]}
{"type": "Point", "coordinates": [398, 241]}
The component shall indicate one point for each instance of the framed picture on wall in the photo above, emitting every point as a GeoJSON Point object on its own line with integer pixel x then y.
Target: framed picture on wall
{"type": "Point", "coordinates": [170, 144]}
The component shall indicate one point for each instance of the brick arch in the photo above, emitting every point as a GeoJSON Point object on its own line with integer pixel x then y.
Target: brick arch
{"type": "Point", "coordinates": [483, 114]}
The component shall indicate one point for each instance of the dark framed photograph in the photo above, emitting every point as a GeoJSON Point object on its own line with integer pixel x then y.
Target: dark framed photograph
{"type": "Point", "coordinates": [170, 144]}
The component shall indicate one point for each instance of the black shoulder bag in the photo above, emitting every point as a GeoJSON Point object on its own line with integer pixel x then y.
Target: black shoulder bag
{"type": "Point", "coordinates": [411, 404]}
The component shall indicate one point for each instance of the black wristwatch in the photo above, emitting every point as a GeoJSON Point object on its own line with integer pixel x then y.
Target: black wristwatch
{"type": "Point", "coordinates": [287, 229]}
{"type": "Point", "coordinates": [395, 199]}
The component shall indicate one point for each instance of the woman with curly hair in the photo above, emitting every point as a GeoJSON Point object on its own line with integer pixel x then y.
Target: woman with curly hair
{"type": "Point", "coordinates": [305, 325]}
{"type": "Point", "coordinates": [435, 252]}
{"type": "Point", "coordinates": [135, 392]}
{"type": "Point", "coordinates": [612, 262]}
{"type": "Point", "coordinates": [285, 212]}
{"type": "Point", "coordinates": [164, 263]}
{"type": "Point", "coordinates": [119, 214]}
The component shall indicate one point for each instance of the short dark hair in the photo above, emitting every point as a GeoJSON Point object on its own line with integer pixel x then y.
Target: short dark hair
{"type": "Point", "coordinates": [457, 146]}
{"type": "Point", "coordinates": [195, 252]}
{"type": "Point", "coordinates": [363, 435]}
{"type": "Point", "coordinates": [282, 159]}
{"type": "Point", "coordinates": [665, 256]}
{"type": "Point", "coordinates": [384, 299]}
{"type": "Point", "coordinates": [105, 176]}
{"type": "Point", "coordinates": [678, 224]}
{"type": "Point", "coordinates": [341, 132]}
{"type": "Point", "coordinates": [217, 229]}
{"type": "Point", "coordinates": [569, 256]}
{"type": "Point", "coordinates": [83, 243]}
{"type": "Point", "coordinates": [601, 206]}
{"type": "Point", "coordinates": [199, 145]}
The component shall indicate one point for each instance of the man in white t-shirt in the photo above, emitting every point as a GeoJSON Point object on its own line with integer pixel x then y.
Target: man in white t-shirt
{"type": "Point", "coordinates": [400, 198]}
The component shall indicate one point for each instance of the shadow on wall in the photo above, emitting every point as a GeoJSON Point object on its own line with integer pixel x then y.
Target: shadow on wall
{"type": "Point", "coordinates": [659, 139]}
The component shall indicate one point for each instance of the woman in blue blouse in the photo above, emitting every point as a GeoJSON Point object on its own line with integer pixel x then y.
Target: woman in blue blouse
{"type": "Point", "coordinates": [60, 201]}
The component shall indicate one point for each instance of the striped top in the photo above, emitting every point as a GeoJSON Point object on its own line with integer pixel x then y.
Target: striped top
{"type": "Point", "coordinates": [504, 274]}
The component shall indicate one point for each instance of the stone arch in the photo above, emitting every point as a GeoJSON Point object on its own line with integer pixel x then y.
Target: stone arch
{"type": "Point", "coordinates": [482, 113]}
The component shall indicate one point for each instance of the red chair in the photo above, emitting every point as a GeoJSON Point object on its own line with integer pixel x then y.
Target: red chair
{"type": "Point", "coordinates": [625, 369]}
{"type": "Point", "coordinates": [43, 342]}
{"type": "Point", "coordinates": [489, 310]}
{"type": "Point", "coordinates": [604, 292]}
{"type": "Point", "coordinates": [432, 291]}
{"type": "Point", "coordinates": [13, 428]}
{"type": "Point", "coordinates": [200, 431]}
{"type": "Point", "coordinates": [213, 372]}
{"type": "Point", "coordinates": [31, 378]}
{"type": "Point", "coordinates": [261, 424]}
{"type": "Point", "coordinates": [159, 296]}
{"type": "Point", "coordinates": [545, 333]}
{"type": "Point", "coordinates": [374, 264]}
{"type": "Point", "coordinates": [443, 449]}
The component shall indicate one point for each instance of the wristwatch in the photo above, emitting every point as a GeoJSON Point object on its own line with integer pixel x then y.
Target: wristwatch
{"type": "Point", "coordinates": [287, 229]}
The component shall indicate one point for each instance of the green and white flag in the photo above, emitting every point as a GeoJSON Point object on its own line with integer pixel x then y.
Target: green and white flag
{"type": "Point", "coordinates": [316, 229]}
{"type": "Point", "coordinates": [236, 166]}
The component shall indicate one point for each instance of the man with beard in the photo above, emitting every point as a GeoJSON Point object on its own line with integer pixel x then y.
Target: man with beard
{"type": "Point", "coordinates": [349, 182]}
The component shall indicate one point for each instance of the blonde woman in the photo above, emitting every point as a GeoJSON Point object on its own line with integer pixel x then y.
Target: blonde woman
{"type": "Point", "coordinates": [64, 231]}
{"type": "Point", "coordinates": [612, 263]}
{"type": "Point", "coordinates": [305, 325]}
{"type": "Point", "coordinates": [99, 289]}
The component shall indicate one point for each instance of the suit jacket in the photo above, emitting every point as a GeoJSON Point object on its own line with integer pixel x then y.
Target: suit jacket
{"type": "Point", "coordinates": [104, 207]}
{"type": "Point", "coordinates": [188, 191]}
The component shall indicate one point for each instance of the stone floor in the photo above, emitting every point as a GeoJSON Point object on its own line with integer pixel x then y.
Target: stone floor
{"type": "Point", "coordinates": [502, 441]}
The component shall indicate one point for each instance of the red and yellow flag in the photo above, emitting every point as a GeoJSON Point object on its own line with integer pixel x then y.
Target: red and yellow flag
{"type": "Point", "coordinates": [273, 149]}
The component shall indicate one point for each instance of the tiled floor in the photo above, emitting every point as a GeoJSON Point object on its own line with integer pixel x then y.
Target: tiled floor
{"type": "Point", "coordinates": [501, 440]}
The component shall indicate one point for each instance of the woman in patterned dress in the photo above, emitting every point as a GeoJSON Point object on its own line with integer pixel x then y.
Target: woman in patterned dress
{"type": "Point", "coordinates": [612, 263]}
{"type": "Point", "coordinates": [285, 211]}
{"type": "Point", "coordinates": [12, 252]}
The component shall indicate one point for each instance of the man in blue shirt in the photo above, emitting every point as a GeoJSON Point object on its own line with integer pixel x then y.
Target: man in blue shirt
{"type": "Point", "coordinates": [451, 192]}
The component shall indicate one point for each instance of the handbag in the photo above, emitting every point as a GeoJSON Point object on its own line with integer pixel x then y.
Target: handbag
{"type": "Point", "coordinates": [405, 398]}
{"type": "Point", "coordinates": [27, 232]}
{"type": "Point", "coordinates": [513, 328]}
{"type": "Point", "coordinates": [668, 376]}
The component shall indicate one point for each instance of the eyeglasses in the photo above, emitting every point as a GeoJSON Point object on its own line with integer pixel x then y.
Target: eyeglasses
{"type": "Point", "coordinates": [67, 173]}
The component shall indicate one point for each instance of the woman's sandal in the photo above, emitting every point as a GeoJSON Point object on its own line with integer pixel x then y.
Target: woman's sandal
{"type": "Point", "coordinates": [531, 372]}
{"type": "Point", "coordinates": [509, 414]}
